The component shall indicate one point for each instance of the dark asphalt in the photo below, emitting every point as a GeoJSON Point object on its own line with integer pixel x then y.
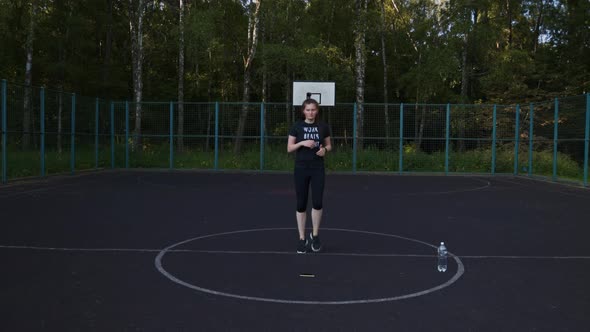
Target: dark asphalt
{"type": "Point", "coordinates": [80, 253]}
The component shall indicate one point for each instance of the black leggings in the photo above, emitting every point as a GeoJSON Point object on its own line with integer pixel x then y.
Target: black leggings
{"type": "Point", "coordinates": [303, 178]}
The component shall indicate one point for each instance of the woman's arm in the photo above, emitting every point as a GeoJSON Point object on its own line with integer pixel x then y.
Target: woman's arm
{"type": "Point", "coordinates": [328, 144]}
{"type": "Point", "coordinates": [292, 146]}
{"type": "Point", "coordinates": [324, 148]}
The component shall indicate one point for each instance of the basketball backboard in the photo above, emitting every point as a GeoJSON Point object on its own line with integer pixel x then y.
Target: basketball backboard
{"type": "Point", "coordinates": [322, 92]}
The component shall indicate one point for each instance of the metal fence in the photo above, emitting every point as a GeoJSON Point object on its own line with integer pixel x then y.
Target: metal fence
{"type": "Point", "coordinates": [47, 132]}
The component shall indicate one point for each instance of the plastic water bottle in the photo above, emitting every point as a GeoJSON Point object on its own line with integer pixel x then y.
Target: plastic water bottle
{"type": "Point", "coordinates": [442, 257]}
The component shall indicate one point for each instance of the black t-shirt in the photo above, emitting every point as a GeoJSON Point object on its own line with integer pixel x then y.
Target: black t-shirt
{"type": "Point", "coordinates": [302, 131]}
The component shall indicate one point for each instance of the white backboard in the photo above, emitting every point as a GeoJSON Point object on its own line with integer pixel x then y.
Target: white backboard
{"type": "Point", "coordinates": [322, 92]}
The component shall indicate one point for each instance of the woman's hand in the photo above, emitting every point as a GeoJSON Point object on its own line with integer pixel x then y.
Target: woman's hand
{"type": "Point", "coordinates": [322, 151]}
{"type": "Point", "coordinates": [292, 146]}
{"type": "Point", "coordinates": [308, 143]}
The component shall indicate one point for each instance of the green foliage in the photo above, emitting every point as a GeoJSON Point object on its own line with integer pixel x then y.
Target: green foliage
{"type": "Point", "coordinates": [516, 51]}
{"type": "Point", "coordinates": [23, 164]}
{"type": "Point", "coordinates": [281, 129]}
{"type": "Point", "coordinates": [508, 81]}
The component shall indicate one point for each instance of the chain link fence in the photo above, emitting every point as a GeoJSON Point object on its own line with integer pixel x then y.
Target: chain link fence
{"type": "Point", "coordinates": [46, 132]}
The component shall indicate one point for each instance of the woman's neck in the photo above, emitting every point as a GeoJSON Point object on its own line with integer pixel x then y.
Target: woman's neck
{"type": "Point", "coordinates": [309, 121]}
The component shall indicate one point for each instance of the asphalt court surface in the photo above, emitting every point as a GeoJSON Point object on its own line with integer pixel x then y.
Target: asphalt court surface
{"type": "Point", "coordinates": [215, 251]}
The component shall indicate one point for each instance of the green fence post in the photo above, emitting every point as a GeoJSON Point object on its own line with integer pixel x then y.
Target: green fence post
{"type": "Point", "coordinates": [555, 123]}
{"type": "Point", "coordinates": [587, 139]}
{"type": "Point", "coordinates": [354, 138]}
{"type": "Point", "coordinates": [516, 139]}
{"type": "Point", "coordinates": [96, 109]}
{"type": "Point", "coordinates": [112, 134]}
{"type": "Point", "coordinates": [127, 134]}
{"type": "Point", "coordinates": [171, 108]}
{"type": "Point", "coordinates": [4, 163]}
{"type": "Point", "coordinates": [401, 138]}
{"type": "Point", "coordinates": [216, 160]}
{"type": "Point", "coordinates": [261, 136]}
{"type": "Point", "coordinates": [42, 124]}
{"type": "Point", "coordinates": [447, 138]}
{"type": "Point", "coordinates": [73, 136]}
{"type": "Point", "coordinates": [494, 126]}
{"type": "Point", "coordinates": [531, 141]}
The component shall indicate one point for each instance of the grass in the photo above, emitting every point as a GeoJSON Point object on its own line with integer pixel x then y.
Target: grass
{"type": "Point", "coordinates": [28, 163]}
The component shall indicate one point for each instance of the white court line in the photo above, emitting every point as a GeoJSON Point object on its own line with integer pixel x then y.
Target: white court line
{"type": "Point", "coordinates": [536, 182]}
{"type": "Point", "coordinates": [47, 184]}
{"type": "Point", "coordinates": [47, 188]}
{"type": "Point", "coordinates": [487, 185]}
{"type": "Point", "coordinates": [525, 257]}
{"type": "Point", "coordinates": [173, 278]}
{"type": "Point", "coordinates": [243, 252]}
{"type": "Point", "coordinates": [80, 249]}
{"type": "Point", "coordinates": [36, 190]}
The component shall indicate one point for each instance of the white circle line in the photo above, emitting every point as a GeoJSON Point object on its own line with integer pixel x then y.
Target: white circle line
{"type": "Point", "coordinates": [22, 247]}
{"type": "Point", "coordinates": [488, 184]}
{"type": "Point", "coordinates": [139, 250]}
{"type": "Point", "coordinates": [160, 268]}
{"type": "Point", "coordinates": [353, 254]}
{"type": "Point", "coordinates": [523, 257]}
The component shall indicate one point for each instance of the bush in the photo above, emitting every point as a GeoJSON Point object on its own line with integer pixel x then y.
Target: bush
{"type": "Point", "coordinates": [27, 163]}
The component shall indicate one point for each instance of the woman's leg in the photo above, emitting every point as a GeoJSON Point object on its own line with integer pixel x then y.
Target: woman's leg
{"type": "Point", "coordinates": [316, 219]}
{"type": "Point", "coordinates": [317, 196]}
{"type": "Point", "coordinates": [301, 220]}
{"type": "Point", "coordinates": [301, 190]}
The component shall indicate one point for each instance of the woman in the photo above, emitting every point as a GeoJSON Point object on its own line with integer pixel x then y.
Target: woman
{"type": "Point", "coordinates": [310, 138]}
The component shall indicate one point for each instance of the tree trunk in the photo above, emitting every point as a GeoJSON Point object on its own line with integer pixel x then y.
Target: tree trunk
{"type": "Point", "coordinates": [27, 112]}
{"type": "Point", "coordinates": [288, 106]}
{"type": "Point", "coordinates": [466, 66]}
{"type": "Point", "coordinates": [180, 139]}
{"type": "Point", "coordinates": [243, 113]}
{"type": "Point", "coordinates": [421, 127]}
{"type": "Point", "coordinates": [465, 70]}
{"type": "Point", "coordinates": [331, 21]}
{"type": "Point", "coordinates": [264, 98]}
{"type": "Point", "coordinates": [510, 27]}
{"type": "Point", "coordinates": [209, 119]}
{"type": "Point", "coordinates": [136, 16]}
{"type": "Point", "coordinates": [264, 82]}
{"type": "Point", "coordinates": [62, 78]}
{"type": "Point", "coordinates": [360, 65]}
{"type": "Point", "coordinates": [106, 64]}
{"type": "Point", "coordinates": [385, 69]}
{"type": "Point", "coordinates": [61, 60]}
{"type": "Point", "coordinates": [396, 70]}
{"type": "Point", "coordinates": [60, 105]}
{"type": "Point", "coordinates": [538, 24]}
{"type": "Point", "coordinates": [253, 27]}
{"type": "Point", "coordinates": [209, 112]}
{"type": "Point", "coordinates": [417, 119]}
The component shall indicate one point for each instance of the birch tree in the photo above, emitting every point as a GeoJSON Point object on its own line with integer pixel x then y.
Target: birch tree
{"type": "Point", "coordinates": [470, 18]}
{"type": "Point", "coordinates": [253, 25]}
{"type": "Point", "coordinates": [360, 64]}
{"type": "Point", "coordinates": [29, 76]}
{"type": "Point", "coordinates": [470, 21]}
{"type": "Point", "coordinates": [383, 31]}
{"type": "Point", "coordinates": [180, 138]}
{"type": "Point", "coordinates": [107, 57]}
{"type": "Point", "coordinates": [137, 9]}
{"type": "Point", "coordinates": [63, 31]}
